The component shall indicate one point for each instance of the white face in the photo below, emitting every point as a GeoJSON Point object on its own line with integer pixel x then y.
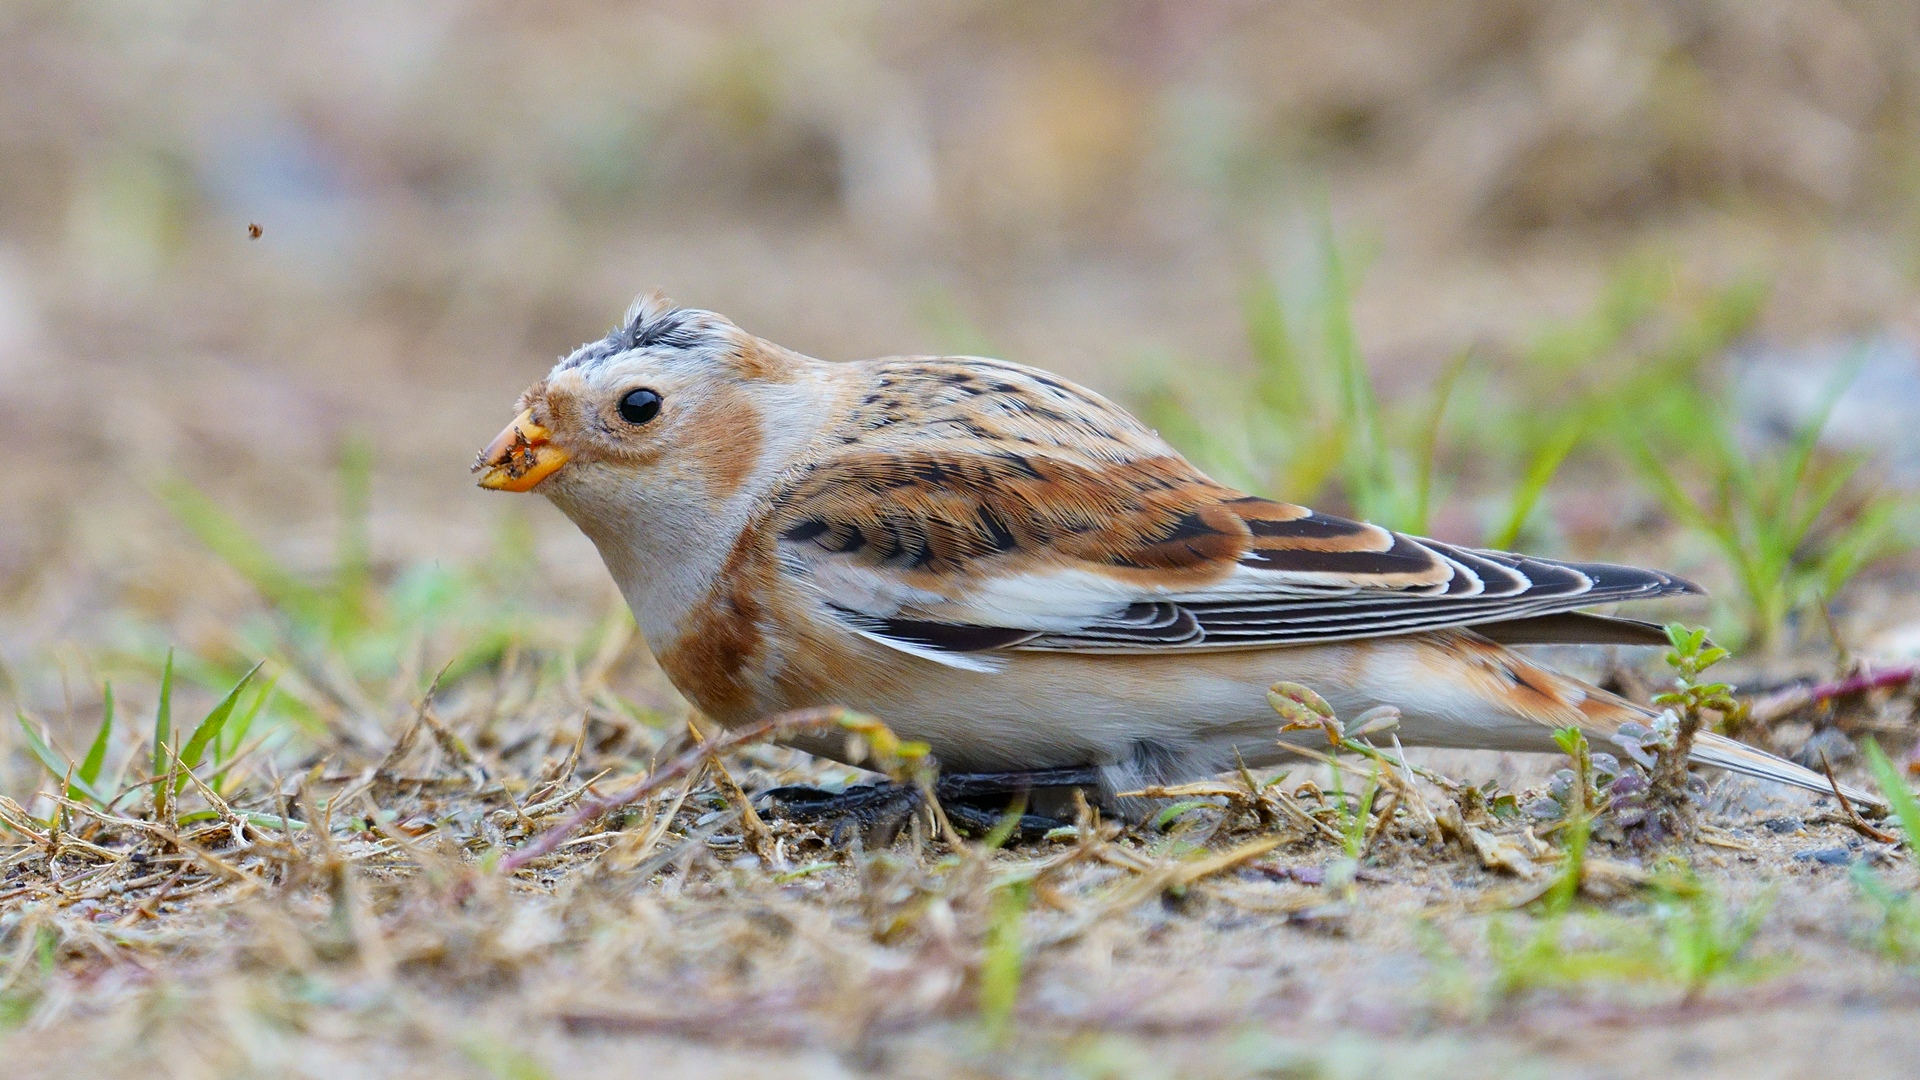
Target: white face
{"type": "Point", "coordinates": [637, 426]}
{"type": "Point", "coordinates": [669, 448]}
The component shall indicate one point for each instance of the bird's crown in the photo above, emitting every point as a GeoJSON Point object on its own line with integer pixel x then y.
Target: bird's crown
{"type": "Point", "coordinates": [655, 322]}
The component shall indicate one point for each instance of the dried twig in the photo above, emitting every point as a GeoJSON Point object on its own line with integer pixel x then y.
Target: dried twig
{"type": "Point", "coordinates": [777, 726]}
{"type": "Point", "coordinates": [1853, 818]}
{"type": "Point", "coordinates": [759, 838]}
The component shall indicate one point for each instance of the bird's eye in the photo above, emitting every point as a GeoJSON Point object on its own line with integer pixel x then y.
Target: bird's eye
{"type": "Point", "coordinates": [639, 406]}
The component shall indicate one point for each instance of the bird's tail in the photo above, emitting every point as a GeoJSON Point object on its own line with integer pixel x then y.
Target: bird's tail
{"type": "Point", "coordinates": [1721, 752]}
{"type": "Point", "coordinates": [1529, 692]}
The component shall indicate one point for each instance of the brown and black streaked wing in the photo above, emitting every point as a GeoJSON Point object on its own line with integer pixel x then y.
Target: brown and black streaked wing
{"type": "Point", "coordinates": [1202, 566]}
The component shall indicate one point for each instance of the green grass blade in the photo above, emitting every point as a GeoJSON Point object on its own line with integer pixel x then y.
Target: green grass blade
{"type": "Point", "coordinates": [1675, 497]}
{"type": "Point", "coordinates": [209, 729]}
{"type": "Point", "coordinates": [56, 764]}
{"type": "Point", "coordinates": [1172, 812]}
{"type": "Point", "coordinates": [1799, 458]}
{"type": "Point", "coordinates": [1899, 795]}
{"type": "Point", "coordinates": [96, 758]}
{"type": "Point", "coordinates": [1873, 535]}
{"type": "Point", "coordinates": [1368, 464]}
{"type": "Point", "coordinates": [1280, 383]}
{"type": "Point", "coordinates": [1428, 449]}
{"type": "Point", "coordinates": [1000, 968]}
{"type": "Point", "coordinates": [1541, 469]}
{"type": "Point", "coordinates": [1004, 828]}
{"type": "Point", "coordinates": [162, 737]}
{"type": "Point", "coordinates": [1794, 526]}
{"type": "Point", "coordinates": [1354, 841]}
{"type": "Point", "coordinates": [353, 568]}
{"type": "Point", "coordinates": [238, 548]}
{"type": "Point", "coordinates": [236, 732]}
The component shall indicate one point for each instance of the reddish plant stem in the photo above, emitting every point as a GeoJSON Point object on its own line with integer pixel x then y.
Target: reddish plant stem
{"type": "Point", "coordinates": [1777, 705]}
{"type": "Point", "coordinates": [775, 726]}
{"type": "Point", "coordinates": [1860, 684]}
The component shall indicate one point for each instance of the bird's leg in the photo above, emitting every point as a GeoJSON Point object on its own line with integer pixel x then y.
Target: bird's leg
{"type": "Point", "coordinates": [974, 802]}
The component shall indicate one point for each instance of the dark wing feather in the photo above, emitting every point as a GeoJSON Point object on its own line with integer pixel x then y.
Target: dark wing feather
{"type": "Point", "coordinates": [1573, 628]}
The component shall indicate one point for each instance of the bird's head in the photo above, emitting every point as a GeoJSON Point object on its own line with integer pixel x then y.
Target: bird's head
{"type": "Point", "coordinates": [669, 412]}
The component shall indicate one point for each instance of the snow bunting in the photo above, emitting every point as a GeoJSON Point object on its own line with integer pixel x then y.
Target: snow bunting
{"type": "Point", "coordinates": [1015, 571]}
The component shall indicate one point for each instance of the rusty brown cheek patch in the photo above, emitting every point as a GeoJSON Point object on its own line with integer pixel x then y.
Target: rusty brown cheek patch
{"type": "Point", "coordinates": [726, 444]}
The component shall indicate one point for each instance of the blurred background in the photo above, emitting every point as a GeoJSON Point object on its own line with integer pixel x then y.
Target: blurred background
{"type": "Point", "coordinates": [1576, 276]}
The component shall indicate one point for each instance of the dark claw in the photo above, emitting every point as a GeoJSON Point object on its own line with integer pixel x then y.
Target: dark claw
{"type": "Point", "coordinates": [976, 803]}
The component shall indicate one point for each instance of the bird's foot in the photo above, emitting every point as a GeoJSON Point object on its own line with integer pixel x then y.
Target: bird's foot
{"type": "Point", "coordinates": [975, 803]}
{"type": "Point", "coordinates": [877, 812]}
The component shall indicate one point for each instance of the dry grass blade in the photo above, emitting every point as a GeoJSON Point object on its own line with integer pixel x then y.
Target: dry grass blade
{"type": "Point", "coordinates": [161, 832]}
{"type": "Point", "coordinates": [1261, 803]}
{"type": "Point", "coordinates": [1151, 879]}
{"type": "Point", "coordinates": [759, 838]}
{"type": "Point", "coordinates": [407, 737]}
{"type": "Point", "coordinates": [782, 724]}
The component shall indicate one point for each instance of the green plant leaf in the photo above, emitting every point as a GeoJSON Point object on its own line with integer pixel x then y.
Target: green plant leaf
{"type": "Point", "coordinates": [1899, 796]}
{"type": "Point", "coordinates": [1169, 814]}
{"type": "Point", "coordinates": [1542, 467]}
{"type": "Point", "coordinates": [214, 527]}
{"type": "Point", "coordinates": [1427, 450]}
{"type": "Point", "coordinates": [57, 765]}
{"type": "Point", "coordinates": [162, 737]}
{"type": "Point", "coordinates": [350, 599]}
{"type": "Point", "coordinates": [96, 758]}
{"type": "Point", "coordinates": [1000, 967]}
{"type": "Point", "coordinates": [208, 729]}
{"type": "Point", "coordinates": [236, 731]}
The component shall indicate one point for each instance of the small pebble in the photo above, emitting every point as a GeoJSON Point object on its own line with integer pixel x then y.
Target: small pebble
{"type": "Point", "coordinates": [1830, 745]}
{"type": "Point", "coordinates": [1783, 825]}
{"type": "Point", "coordinates": [1831, 856]}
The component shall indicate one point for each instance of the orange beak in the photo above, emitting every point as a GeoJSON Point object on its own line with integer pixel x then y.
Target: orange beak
{"type": "Point", "coordinates": [519, 457]}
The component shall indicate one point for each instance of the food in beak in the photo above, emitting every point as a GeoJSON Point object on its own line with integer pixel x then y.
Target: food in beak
{"type": "Point", "coordinates": [519, 457]}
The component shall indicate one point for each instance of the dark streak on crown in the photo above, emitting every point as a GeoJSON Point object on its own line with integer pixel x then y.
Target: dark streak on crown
{"type": "Point", "coordinates": [651, 327]}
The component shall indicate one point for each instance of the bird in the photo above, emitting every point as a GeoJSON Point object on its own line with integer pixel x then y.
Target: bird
{"type": "Point", "coordinates": [1018, 573]}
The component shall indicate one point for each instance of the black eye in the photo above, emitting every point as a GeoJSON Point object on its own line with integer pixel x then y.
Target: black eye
{"type": "Point", "coordinates": [639, 406]}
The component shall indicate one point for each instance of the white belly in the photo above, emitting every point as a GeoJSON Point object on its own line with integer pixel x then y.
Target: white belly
{"type": "Point", "coordinates": [1175, 716]}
